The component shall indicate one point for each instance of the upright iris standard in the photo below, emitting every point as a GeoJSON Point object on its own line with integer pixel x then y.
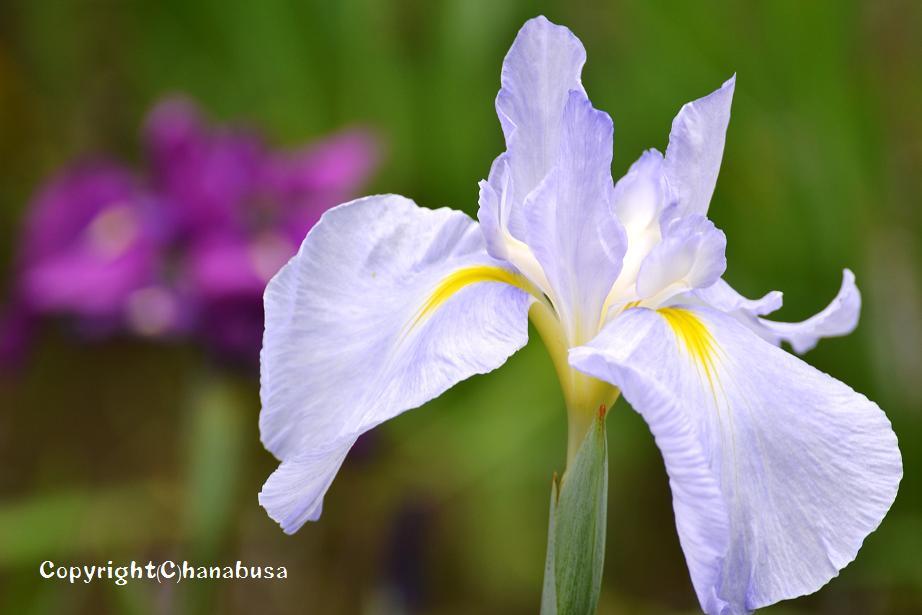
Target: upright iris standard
{"type": "Point", "coordinates": [778, 471]}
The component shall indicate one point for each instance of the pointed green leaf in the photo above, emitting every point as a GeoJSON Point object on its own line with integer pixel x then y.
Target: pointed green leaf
{"type": "Point", "coordinates": [579, 526]}
{"type": "Point", "coordinates": [549, 594]}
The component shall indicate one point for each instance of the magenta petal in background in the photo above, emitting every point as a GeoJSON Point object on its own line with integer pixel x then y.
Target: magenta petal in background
{"type": "Point", "coordinates": [91, 239]}
{"type": "Point", "coordinates": [188, 245]}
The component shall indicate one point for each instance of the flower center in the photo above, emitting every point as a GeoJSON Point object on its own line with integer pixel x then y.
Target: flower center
{"type": "Point", "coordinates": [582, 394]}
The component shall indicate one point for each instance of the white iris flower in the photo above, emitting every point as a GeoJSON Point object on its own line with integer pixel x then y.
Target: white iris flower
{"type": "Point", "coordinates": [778, 471]}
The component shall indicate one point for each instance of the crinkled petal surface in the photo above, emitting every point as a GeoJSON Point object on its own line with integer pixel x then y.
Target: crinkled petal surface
{"type": "Point", "coordinates": [569, 219]}
{"type": "Point", "coordinates": [494, 216]}
{"type": "Point", "coordinates": [539, 71]}
{"type": "Point", "coordinates": [639, 195]}
{"type": "Point", "coordinates": [386, 306]}
{"type": "Point", "coordinates": [838, 318]}
{"type": "Point", "coordinates": [638, 203]}
{"type": "Point", "coordinates": [691, 254]}
{"type": "Point", "coordinates": [723, 297]}
{"type": "Point", "coordinates": [293, 494]}
{"type": "Point", "coordinates": [542, 67]}
{"type": "Point", "coordinates": [778, 471]}
{"type": "Point", "coordinates": [696, 146]}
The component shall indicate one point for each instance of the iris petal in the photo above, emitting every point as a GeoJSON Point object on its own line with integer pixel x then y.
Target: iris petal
{"type": "Point", "coordinates": [570, 223]}
{"type": "Point", "coordinates": [542, 67]}
{"type": "Point", "coordinates": [386, 306]}
{"type": "Point", "coordinates": [539, 71]}
{"type": "Point", "coordinates": [690, 255]}
{"type": "Point", "coordinates": [696, 146]}
{"type": "Point", "coordinates": [778, 471]}
{"type": "Point", "coordinates": [723, 297]}
{"type": "Point", "coordinates": [838, 318]}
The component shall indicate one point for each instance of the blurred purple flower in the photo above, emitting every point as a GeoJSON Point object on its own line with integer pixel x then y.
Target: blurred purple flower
{"type": "Point", "coordinates": [205, 176]}
{"type": "Point", "coordinates": [306, 181]}
{"type": "Point", "coordinates": [240, 211]}
{"type": "Point", "coordinates": [91, 239]}
{"type": "Point", "coordinates": [186, 247]}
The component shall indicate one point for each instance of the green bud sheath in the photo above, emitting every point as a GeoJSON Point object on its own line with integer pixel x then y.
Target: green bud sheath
{"type": "Point", "coordinates": [576, 529]}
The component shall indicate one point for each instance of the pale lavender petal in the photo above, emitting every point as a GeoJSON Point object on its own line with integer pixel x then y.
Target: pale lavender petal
{"type": "Point", "coordinates": [349, 343]}
{"type": "Point", "coordinates": [542, 67]}
{"type": "Point", "coordinates": [539, 71]}
{"type": "Point", "coordinates": [691, 254]}
{"type": "Point", "coordinates": [640, 196]}
{"type": "Point", "coordinates": [639, 202]}
{"type": "Point", "coordinates": [500, 231]}
{"type": "Point", "coordinates": [569, 220]}
{"type": "Point", "coordinates": [293, 494]}
{"type": "Point", "coordinates": [778, 471]}
{"type": "Point", "coordinates": [696, 146]}
{"type": "Point", "coordinates": [495, 210]}
{"type": "Point", "coordinates": [838, 318]}
{"type": "Point", "coordinates": [723, 297]}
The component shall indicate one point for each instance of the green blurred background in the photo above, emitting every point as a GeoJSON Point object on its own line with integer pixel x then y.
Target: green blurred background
{"type": "Point", "coordinates": [132, 450]}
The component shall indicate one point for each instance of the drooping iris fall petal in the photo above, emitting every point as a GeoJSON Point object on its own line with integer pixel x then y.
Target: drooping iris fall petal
{"type": "Point", "coordinates": [402, 302]}
{"type": "Point", "coordinates": [778, 471]}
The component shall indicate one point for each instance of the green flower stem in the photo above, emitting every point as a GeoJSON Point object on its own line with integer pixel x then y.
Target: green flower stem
{"type": "Point", "coordinates": [583, 395]}
{"type": "Point", "coordinates": [576, 529]}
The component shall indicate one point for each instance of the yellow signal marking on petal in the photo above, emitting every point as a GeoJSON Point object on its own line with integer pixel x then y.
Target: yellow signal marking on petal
{"type": "Point", "coordinates": [698, 341]}
{"type": "Point", "coordinates": [703, 349]}
{"type": "Point", "coordinates": [464, 277]}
